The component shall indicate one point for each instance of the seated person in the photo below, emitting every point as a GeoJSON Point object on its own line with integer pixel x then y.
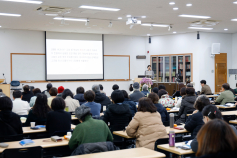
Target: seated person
{"type": "Point", "coordinates": [161, 86]}
{"type": "Point", "coordinates": [36, 92]}
{"type": "Point", "coordinates": [1, 93]}
{"type": "Point", "coordinates": [89, 130]}
{"type": "Point", "coordinates": [209, 112]}
{"type": "Point", "coordinates": [39, 111]}
{"type": "Point", "coordinates": [60, 91]}
{"type": "Point", "coordinates": [80, 95]}
{"type": "Point", "coordinates": [163, 112]}
{"type": "Point", "coordinates": [216, 140]}
{"type": "Point", "coordinates": [205, 88]}
{"type": "Point", "coordinates": [182, 93]}
{"type": "Point", "coordinates": [235, 90]}
{"type": "Point", "coordinates": [101, 89]}
{"type": "Point", "coordinates": [94, 107]}
{"type": "Point", "coordinates": [195, 121]}
{"type": "Point", "coordinates": [155, 90]}
{"type": "Point", "coordinates": [46, 92]}
{"type": "Point", "coordinates": [58, 119]}
{"type": "Point", "coordinates": [130, 89]}
{"type": "Point", "coordinates": [53, 93]}
{"type": "Point", "coordinates": [27, 94]}
{"type": "Point", "coordinates": [132, 104]}
{"type": "Point", "coordinates": [115, 87]}
{"type": "Point", "coordinates": [186, 105]}
{"type": "Point", "coordinates": [226, 95]}
{"type": "Point", "coordinates": [178, 93]}
{"type": "Point", "coordinates": [100, 97]}
{"type": "Point", "coordinates": [146, 125]}
{"type": "Point", "coordinates": [145, 90]}
{"type": "Point", "coordinates": [71, 104]}
{"type": "Point", "coordinates": [10, 123]}
{"type": "Point", "coordinates": [20, 107]}
{"type": "Point", "coordinates": [136, 95]}
{"type": "Point", "coordinates": [164, 99]}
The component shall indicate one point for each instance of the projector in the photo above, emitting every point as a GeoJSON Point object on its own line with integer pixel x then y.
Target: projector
{"type": "Point", "coordinates": [132, 21]}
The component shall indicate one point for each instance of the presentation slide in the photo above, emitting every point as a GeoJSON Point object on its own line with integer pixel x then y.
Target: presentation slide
{"type": "Point", "coordinates": [74, 59]}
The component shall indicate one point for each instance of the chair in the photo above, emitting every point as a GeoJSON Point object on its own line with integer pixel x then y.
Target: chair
{"type": "Point", "coordinates": [61, 133]}
{"type": "Point", "coordinates": [227, 118]}
{"type": "Point", "coordinates": [36, 152]}
{"type": "Point", "coordinates": [11, 138]}
{"type": "Point", "coordinates": [14, 85]}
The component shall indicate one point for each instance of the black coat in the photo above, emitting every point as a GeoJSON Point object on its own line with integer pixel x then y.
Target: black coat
{"type": "Point", "coordinates": [132, 105]}
{"type": "Point", "coordinates": [26, 96]}
{"type": "Point", "coordinates": [194, 123]}
{"type": "Point", "coordinates": [33, 118]}
{"type": "Point", "coordinates": [102, 99]}
{"type": "Point", "coordinates": [176, 94]}
{"type": "Point", "coordinates": [80, 98]}
{"type": "Point", "coordinates": [232, 154]}
{"type": "Point", "coordinates": [163, 112]}
{"type": "Point", "coordinates": [10, 123]}
{"type": "Point", "coordinates": [58, 121]}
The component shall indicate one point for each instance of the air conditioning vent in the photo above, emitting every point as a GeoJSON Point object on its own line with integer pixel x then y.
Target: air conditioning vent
{"type": "Point", "coordinates": [204, 23]}
{"type": "Point", "coordinates": [55, 10]}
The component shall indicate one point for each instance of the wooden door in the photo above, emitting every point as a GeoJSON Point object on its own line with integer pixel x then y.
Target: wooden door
{"type": "Point", "coordinates": [220, 70]}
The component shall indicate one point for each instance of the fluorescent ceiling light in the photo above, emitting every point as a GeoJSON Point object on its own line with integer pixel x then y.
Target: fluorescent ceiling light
{"type": "Point", "coordinates": [235, 2]}
{"type": "Point", "coordinates": [9, 14]}
{"type": "Point", "coordinates": [174, 32]}
{"type": "Point", "coordinates": [128, 16]}
{"type": "Point", "coordinates": [175, 8]}
{"type": "Point", "coordinates": [143, 17]}
{"type": "Point", "coordinates": [226, 29]}
{"type": "Point", "coordinates": [0, 26]}
{"type": "Point", "coordinates": [120, 18]}
{"type": "Point", "coordinates": [189, 5]}
{"type": "Point", "coordinates": [156, 25]}
{"type": "Point", "coordinates": [148, 34]}
{"type": "Point", "coordinates": [194, 16]}
{"type": "Point", "coordinates": [233, 19]}
{"type": "Point", "coordinates": [69, 19]}
{"type": "Point", "coordinates": [51, 14]}
{"type": "Point", "coordinates": [172, 3]}
{"type": "Point", "coordinates": [200, 28]}
{"type": "Point", "coordinates": [24, 1]}
{"type": "Point", "coordinates": [99, 8]}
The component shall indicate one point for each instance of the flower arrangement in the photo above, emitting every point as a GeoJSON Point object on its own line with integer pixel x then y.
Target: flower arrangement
{"type": "Point", "coordinates": [146, 81]}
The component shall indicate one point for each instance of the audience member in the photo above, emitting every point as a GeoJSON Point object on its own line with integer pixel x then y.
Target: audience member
{"type": "Point", "coordinates": [235, 90]}
{"type": "Point", "coordinates": [101, 89]}
{"type": "Point", "coordinates": [36, 92]}
{"type": "Point", "coordinates": [71, 104]}
{"type": "Point", "coordinates": [226, 95]}
{"type": "Point", "coordinates": [100, 97]}
{"type": "Point", "coordinates": [186, 105]}
{"type": "Point", "coordinates": [216, 139]}
{"type": "Point", "coordinates": [95, 108]}
{"type": "Point", "coordinates": [58, 119]}
{"type": "Point", "coordinates": [60, 91]}
{"type": "Point", "coordinates": [46, 92]}
{"type": "Point", "coordinates": [160, 87]}
{"type": "Point", "coordinates": [145, 90]}
{"type": "Point", "coordinates": [205, 88]}
{"type": "Point", "coordinates": [164, 99]}
{"type": "Point", "coordinates": [53, 92]}
{"type": "Point", "coordinates": [10, 123]}
{"type": "Point", "coordinates": [80, 95]}
{"type": "Point", "coordinates": [39, 111]}
{"type": "Point", "coordinates": [136, 95]}
{"type": "Point", "coordinates": [132, 104]}
{"type": "Point", "coordinates": [163, 112]}
{"type": "Point", "coordinates": [115, 87]}
{"type": "Point", "coordinates": [20, 107]}
{"type": "Point", "coordinates": [178, 93]}
{"type": "Point", "coordinates": [89, 130]}
{"type": "Point", "coordinates": [155, 90]}
{"type": "Point", "coordinates": [27, 94]}
{"type": "Point", "coordinates": [182, 93]}
{"type": "Point", "coordinates": [130, 89]}
{"type": "Point", "coordinates": [195, 121]}
{"type": "Point", "coordinates": [1, 93]}
{"type": "Point", "coordinates": [147, 125]}
{"type": "Point", "coordinates": [209, 112]}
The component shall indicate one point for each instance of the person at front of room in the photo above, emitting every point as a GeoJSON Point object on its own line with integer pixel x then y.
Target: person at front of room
{"type": "Point", "coordinates": [225, 96]}
{"type": "Point", "coordinates": [205, 88]}
{"type": "Point", "coordinates": [148, 71]}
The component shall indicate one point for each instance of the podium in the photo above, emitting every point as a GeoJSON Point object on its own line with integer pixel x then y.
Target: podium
{"type": "Point", "coordinates": [5, 89]}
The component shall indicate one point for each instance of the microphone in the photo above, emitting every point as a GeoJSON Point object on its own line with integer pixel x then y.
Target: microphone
{"type": "Point", "coordinates": [4, 80]}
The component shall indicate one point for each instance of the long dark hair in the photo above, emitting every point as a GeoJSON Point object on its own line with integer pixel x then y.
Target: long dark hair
{"type": "Point", "coordinates": [41, 108]}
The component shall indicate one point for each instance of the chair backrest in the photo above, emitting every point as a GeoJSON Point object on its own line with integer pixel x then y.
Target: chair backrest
{"type": "Point", "coordinates": [166, 141]}
{"type": "Point", "coordinates": [15, 83]}
{"type": "Point", "coordinates": [61, 133]}
{"type": "Point", "coordinates": [166, 123]}
{"type": "Point", "coordinates": [11, 138]}
{"type": "Point", "coordinates": [35, 152]}
{"type": "Point", "coordinates": [227, 118]}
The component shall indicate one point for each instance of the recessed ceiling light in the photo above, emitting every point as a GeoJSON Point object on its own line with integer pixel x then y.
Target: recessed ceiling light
{"type": "Point", "coordinates": [99, 8]}
{"type": "Point", "coordinates": [194, 16]}
{"type": "Point", "coordinates": [200, 28]}
{"type": "Point", "coordinates": [235, 2]}
{"type": "Point", "coordinates": [174, 32]}
{"type": "Point", "coordinates": [0, 26]}
{"type": "Point", "coordinates": [120, 18]}
{"type": "Point", "coordinates": [9, 14]}
{"type": "Point", "coordinates": [128, 16]}
{"type": "Point", "coordinates": [25, 1]}
{"type": "Point", "coordinates": [189, 5]}
{"type": "Point", "coordinates": [172, 3]}
{"type": "Point", "coordinates": [143, 17]}
{"type": "Point", "coordinates": [69, 19]}
{"type": "Point", "coordinates": [175, 8]}
{"type": "Point", "coordinates": [226, 29]}
{"type": "Point", "coordinates": [148, 34]}
{"type": "Point", "coordinates": [156, 25]}
{"type": "Point", "coordinates": [233, 19]}
{"type": "Point", "coordinates": [51, 14]}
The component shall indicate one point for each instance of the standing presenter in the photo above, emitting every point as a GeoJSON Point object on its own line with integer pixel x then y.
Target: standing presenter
{"type": "Point", "coordinates": [149, 73]}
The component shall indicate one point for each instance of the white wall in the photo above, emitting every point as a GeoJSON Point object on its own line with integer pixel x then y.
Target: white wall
{"type": "Point", "coordinates": [203, 64]}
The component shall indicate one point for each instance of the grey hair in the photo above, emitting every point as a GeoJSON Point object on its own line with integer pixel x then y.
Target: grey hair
{"type": "Point", "coordinates": [96, 88]}
{"type": "Point", "coordinates": [144, 87]}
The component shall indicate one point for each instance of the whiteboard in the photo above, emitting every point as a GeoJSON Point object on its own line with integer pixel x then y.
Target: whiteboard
{"type": "Point", "coordinates": [32, 67]}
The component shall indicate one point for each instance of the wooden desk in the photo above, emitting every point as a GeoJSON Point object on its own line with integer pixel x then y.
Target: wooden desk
{"type": "Point", "coordinates": [212, 96]}
{"type": "Point", "coordinates": [229, 113]}
{"type": "Point", "coordinates": [73, 118]}
{"type": "Point", "coordinates": [225, 107]}
{"type": "Point", "coordinates": [233, 121]}
{"type": "Point", "coordinates": [6, 89]}
{"type": "Point", "coordinates": [173, 111]}
{"type": "Point", "coordinates": [131, 153]}
{"type": "Point", "coordinates": [38, 142]}
{"type": "Point", "coordinates": [174, 150]}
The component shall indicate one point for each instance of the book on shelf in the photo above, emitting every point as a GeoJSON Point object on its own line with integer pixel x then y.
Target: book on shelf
{"type": "Point", "coordinates": [180, 66]}
{"type": "Point", "coordinates": [167, 73]}
{"type": "Point", "coordinates": [188, 73]}
{"type": "Point", "coordinates": [188, 66]}
{"type": "Point", "coordinates": [187, 59]}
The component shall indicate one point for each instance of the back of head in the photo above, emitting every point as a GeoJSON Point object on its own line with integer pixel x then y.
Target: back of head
{"type": "Point", "coordinates": [190, 91]}
{"type": "Point", "coordinates": [41, 107]}
{"type": "Point", "coordinates": [66, 93]}
{"type": "Point", "coordinates": [145, 87]}
{"type": "Point", "coordinates": [53, 91]}
{"type": "Point", "coordinates": [36, 91]}
{"type": "Point", "coordinates": [155, 90]}
{"type": "Point", "coordinates": [201, 102]}
{"type": "Point", "coordinates": [136, 85]}
{"type": "Point", "coordinates": [189, 85]}
{"type": "Point", "coordinates": [17, 94]}
{"type": "Point", "coordinates": [60, 89]}
{"type": "Point", "coordinates": [96, 88]}
{"type": "Point", "coordinates": [82, 111]}
{"type": "Point", "coordinates": [58, 104]}
{"type": "Point", "coordinates": [154, 97]}
{"type": "Point", "coordinates": [125, 94]}
{"type": "Point", "coordinates": [89, 96]}
{"type": "Point", "coordinates": [203, 82]}
{"type": "Point", "coordinates": [26, 88]}
{"type": "Point", "coordinates": [80, 90]}
{"type": "Point", "coordinates": [183, 91]}
{"type": "Point", "coordinates": [5, 103]}
{"type": "Point", "coordinates": [145, 105]}
{"type": "Point", "coordinates": [160, 87]}
{"type": "Point", "coordinates": [115, 87]}
{"type": "Point", "coordinates": [49, 85]}
{"type": "Point", "coordinates": [214, 137]}
{"type": "Point", "coordinates": [212, 112]}
{"type": "Point", "coordinates": [181, 85]}
{"type": "Point", "coordinates": [162, 92]}
{"type": "Point", "coordinates": [0, 90]}
{"type": "Point", "coordinates": [101, 87]}
{"type": "Point", "coordinates": [226, 86]}
{"type": "Point", "coordinates": [117, 96]}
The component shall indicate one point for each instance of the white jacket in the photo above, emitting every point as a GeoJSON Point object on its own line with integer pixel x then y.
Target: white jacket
{"type": "Point", "coordinates": [72, 104]}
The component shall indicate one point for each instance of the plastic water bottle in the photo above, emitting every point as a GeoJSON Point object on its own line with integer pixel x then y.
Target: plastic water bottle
{"type": "Point", "coordinates": [171, 120]}
{"type": "Point", "coordinates": [171, 138]}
